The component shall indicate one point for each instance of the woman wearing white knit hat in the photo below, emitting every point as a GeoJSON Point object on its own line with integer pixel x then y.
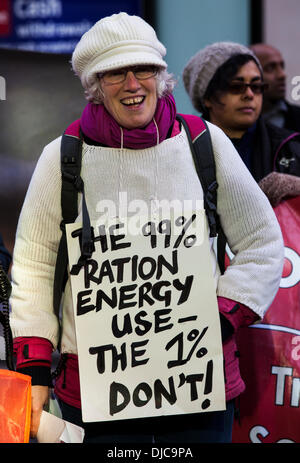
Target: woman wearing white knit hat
{"type": "Point", "coordinates": [133, 143]}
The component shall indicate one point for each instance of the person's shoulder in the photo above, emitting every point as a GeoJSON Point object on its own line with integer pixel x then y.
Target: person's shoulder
{"type": "Point", "coordinates": [285, 143]}
{"type": "Point", "coordinates": [197, 124]}
{"type": "Point", "coordinates": [213, 127]}
{"type": "Point", "coordinates": [293, 107]}
{"type": "Point", "coordinates": [48, 162]}
{"type": "Point", "coordinates": [218, 137]}
{"type": "Point", "coordinates": [53, 144]}
{"type": "Point", "coordinates": [52, 149]}
{"type": "Point", "coordinates": [279, 133]}
{"type": "Point", "coordinates": [292, 117]}
{"type": "Point", "coordinates": [215, 131]}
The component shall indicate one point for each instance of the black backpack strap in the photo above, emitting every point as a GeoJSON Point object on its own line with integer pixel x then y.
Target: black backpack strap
{"type": "Point", "coordinates": [203, 155]}
{"type": "Point", "coordinates": [221, 249]}
{"type": "Point", "coordinates": [5, 291]}
{"type": "Point", "coordinates": [201, 148]}
{"type": "Point", "coordinates": [72, 184]}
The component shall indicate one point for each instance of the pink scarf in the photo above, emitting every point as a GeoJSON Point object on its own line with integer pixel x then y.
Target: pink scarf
{"type": "Point", "coordinates": [97, 124]}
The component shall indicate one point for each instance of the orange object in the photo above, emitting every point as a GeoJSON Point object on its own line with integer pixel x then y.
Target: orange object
{"type": "Point", "coordinates": [15, 407]}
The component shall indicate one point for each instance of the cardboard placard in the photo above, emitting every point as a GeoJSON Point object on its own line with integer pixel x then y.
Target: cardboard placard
{"type": "Point", "coordinates": [146, 317]}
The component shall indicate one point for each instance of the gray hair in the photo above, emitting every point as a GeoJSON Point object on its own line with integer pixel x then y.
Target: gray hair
{"type": "Point", "coordinates": [165, 84]}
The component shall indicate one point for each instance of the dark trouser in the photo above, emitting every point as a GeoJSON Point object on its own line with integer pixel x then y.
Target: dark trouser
{"type": "Point", "coordinates": [194, 428]}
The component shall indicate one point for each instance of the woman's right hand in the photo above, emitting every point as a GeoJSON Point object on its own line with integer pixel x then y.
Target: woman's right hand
{"type": "Point", "coordinates": [39, 398]}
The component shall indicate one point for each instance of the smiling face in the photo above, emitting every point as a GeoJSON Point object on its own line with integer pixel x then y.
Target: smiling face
{"type": "Point", "coordinates": [132, 103]}
{"type": "Point", "coordinates": [235, 113]}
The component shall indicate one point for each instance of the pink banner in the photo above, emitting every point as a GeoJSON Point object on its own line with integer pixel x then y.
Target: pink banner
{"type": "Point", "coordinates": [270, 352]}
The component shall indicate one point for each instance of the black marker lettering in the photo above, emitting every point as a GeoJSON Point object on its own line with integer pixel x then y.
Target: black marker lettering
{"type": "Point", "coordinates": [143, 294]}
{"type": "Point", "coordinates": [138, 353]}
{"type": "Point", "coordinates": [99, 351]}
{"type": "Point", "coordinates": [116, 357]}
{"type": "Point", "coordinates": [115, 389]}
{"type": "Point", "coordinates": [102, 238]}
{"type": "Point", "coordinates": [115, 238]}
{"type": "Point", "coordinates": [192, 380]}
{"type": "Point", "coordinates": [119, 263]}
{"type": "Point", "coordinates": [166, 297]}
{"type": "Point", "coordinates": [90, 268]}
{"type": "Point", "coordinates": [106, 271]}
{"type": "Point", "coordinates": [162, 262]}
{"type": "Point", "coordinates": [160, 391]}
{"type": "Point", "coordinates": [109, 300]}
{"type": "Point", "coordinates": [144, 323]}
{"type": "Point", "coordinates": [144, 274]}
{"type": "Point", "coordinates": [126, 294]}
{"type": "Point", "coordinates": [185, 288]}
{"type": "Point", "coordinates": [127, 327]}
{"type": "Point", "coordinates": [160, 322]}
{"type": "Point", "coordinates": [146, 389]}
{"type": "Point", "coordinates": [134, 267]}
{"type": "Point", "coordinates": [82, 309]}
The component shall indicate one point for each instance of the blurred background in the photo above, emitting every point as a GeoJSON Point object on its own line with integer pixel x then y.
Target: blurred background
{"type": "Point", "coordinates": [40, 96]}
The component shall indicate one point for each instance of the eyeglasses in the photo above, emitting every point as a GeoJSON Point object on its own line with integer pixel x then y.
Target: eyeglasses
{"type": "Point", "coordinates": [238, 88]}
{"type": "Point", "coordinates": [119, 75]}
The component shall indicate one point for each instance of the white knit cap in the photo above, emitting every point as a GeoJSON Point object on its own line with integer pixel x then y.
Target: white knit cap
{"type": "Point", "coordinates": [114, 42]}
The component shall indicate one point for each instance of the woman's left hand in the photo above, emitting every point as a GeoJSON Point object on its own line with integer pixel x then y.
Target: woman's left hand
{"type": "Point", "coordinates": [39, 398]}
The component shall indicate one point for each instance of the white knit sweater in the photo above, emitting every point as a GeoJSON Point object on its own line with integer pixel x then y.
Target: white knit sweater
{"type": "Point", "coordinates": [163, 172]}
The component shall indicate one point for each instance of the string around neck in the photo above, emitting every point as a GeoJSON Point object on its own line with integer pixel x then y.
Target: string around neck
{"type": "Point", "coordinates": [122, 138]}
{"type": "Point", "coordinates": [157, 131]}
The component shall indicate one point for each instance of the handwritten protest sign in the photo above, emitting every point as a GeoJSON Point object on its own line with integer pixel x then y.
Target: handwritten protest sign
{"type": "Point", "coordinates": [146, 318]}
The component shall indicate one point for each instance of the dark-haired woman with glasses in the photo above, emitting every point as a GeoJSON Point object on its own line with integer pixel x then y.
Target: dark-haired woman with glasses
{"type": "Point", "coordinates": [225, 83]}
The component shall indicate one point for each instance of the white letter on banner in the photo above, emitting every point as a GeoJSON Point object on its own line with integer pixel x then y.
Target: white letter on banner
{"type": "Point", "coordinates": [281, 373]}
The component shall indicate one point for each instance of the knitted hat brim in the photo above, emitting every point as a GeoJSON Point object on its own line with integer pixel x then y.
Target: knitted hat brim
{"type": "Point", "coordinates": [128, 55]}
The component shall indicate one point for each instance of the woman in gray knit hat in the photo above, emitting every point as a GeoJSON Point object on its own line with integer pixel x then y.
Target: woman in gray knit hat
{"type": "Point", "coordinates": [225, 83]}
{"type": "Point", "coordinates": [133, 144]}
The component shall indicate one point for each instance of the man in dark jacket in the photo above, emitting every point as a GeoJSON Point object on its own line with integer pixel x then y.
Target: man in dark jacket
{"type": "Point", "coordinates": [276, 109]}
{"type": "Point", "coordinates": [273, 149]}
{"type": "Point", "coordinates": [225, 83]}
